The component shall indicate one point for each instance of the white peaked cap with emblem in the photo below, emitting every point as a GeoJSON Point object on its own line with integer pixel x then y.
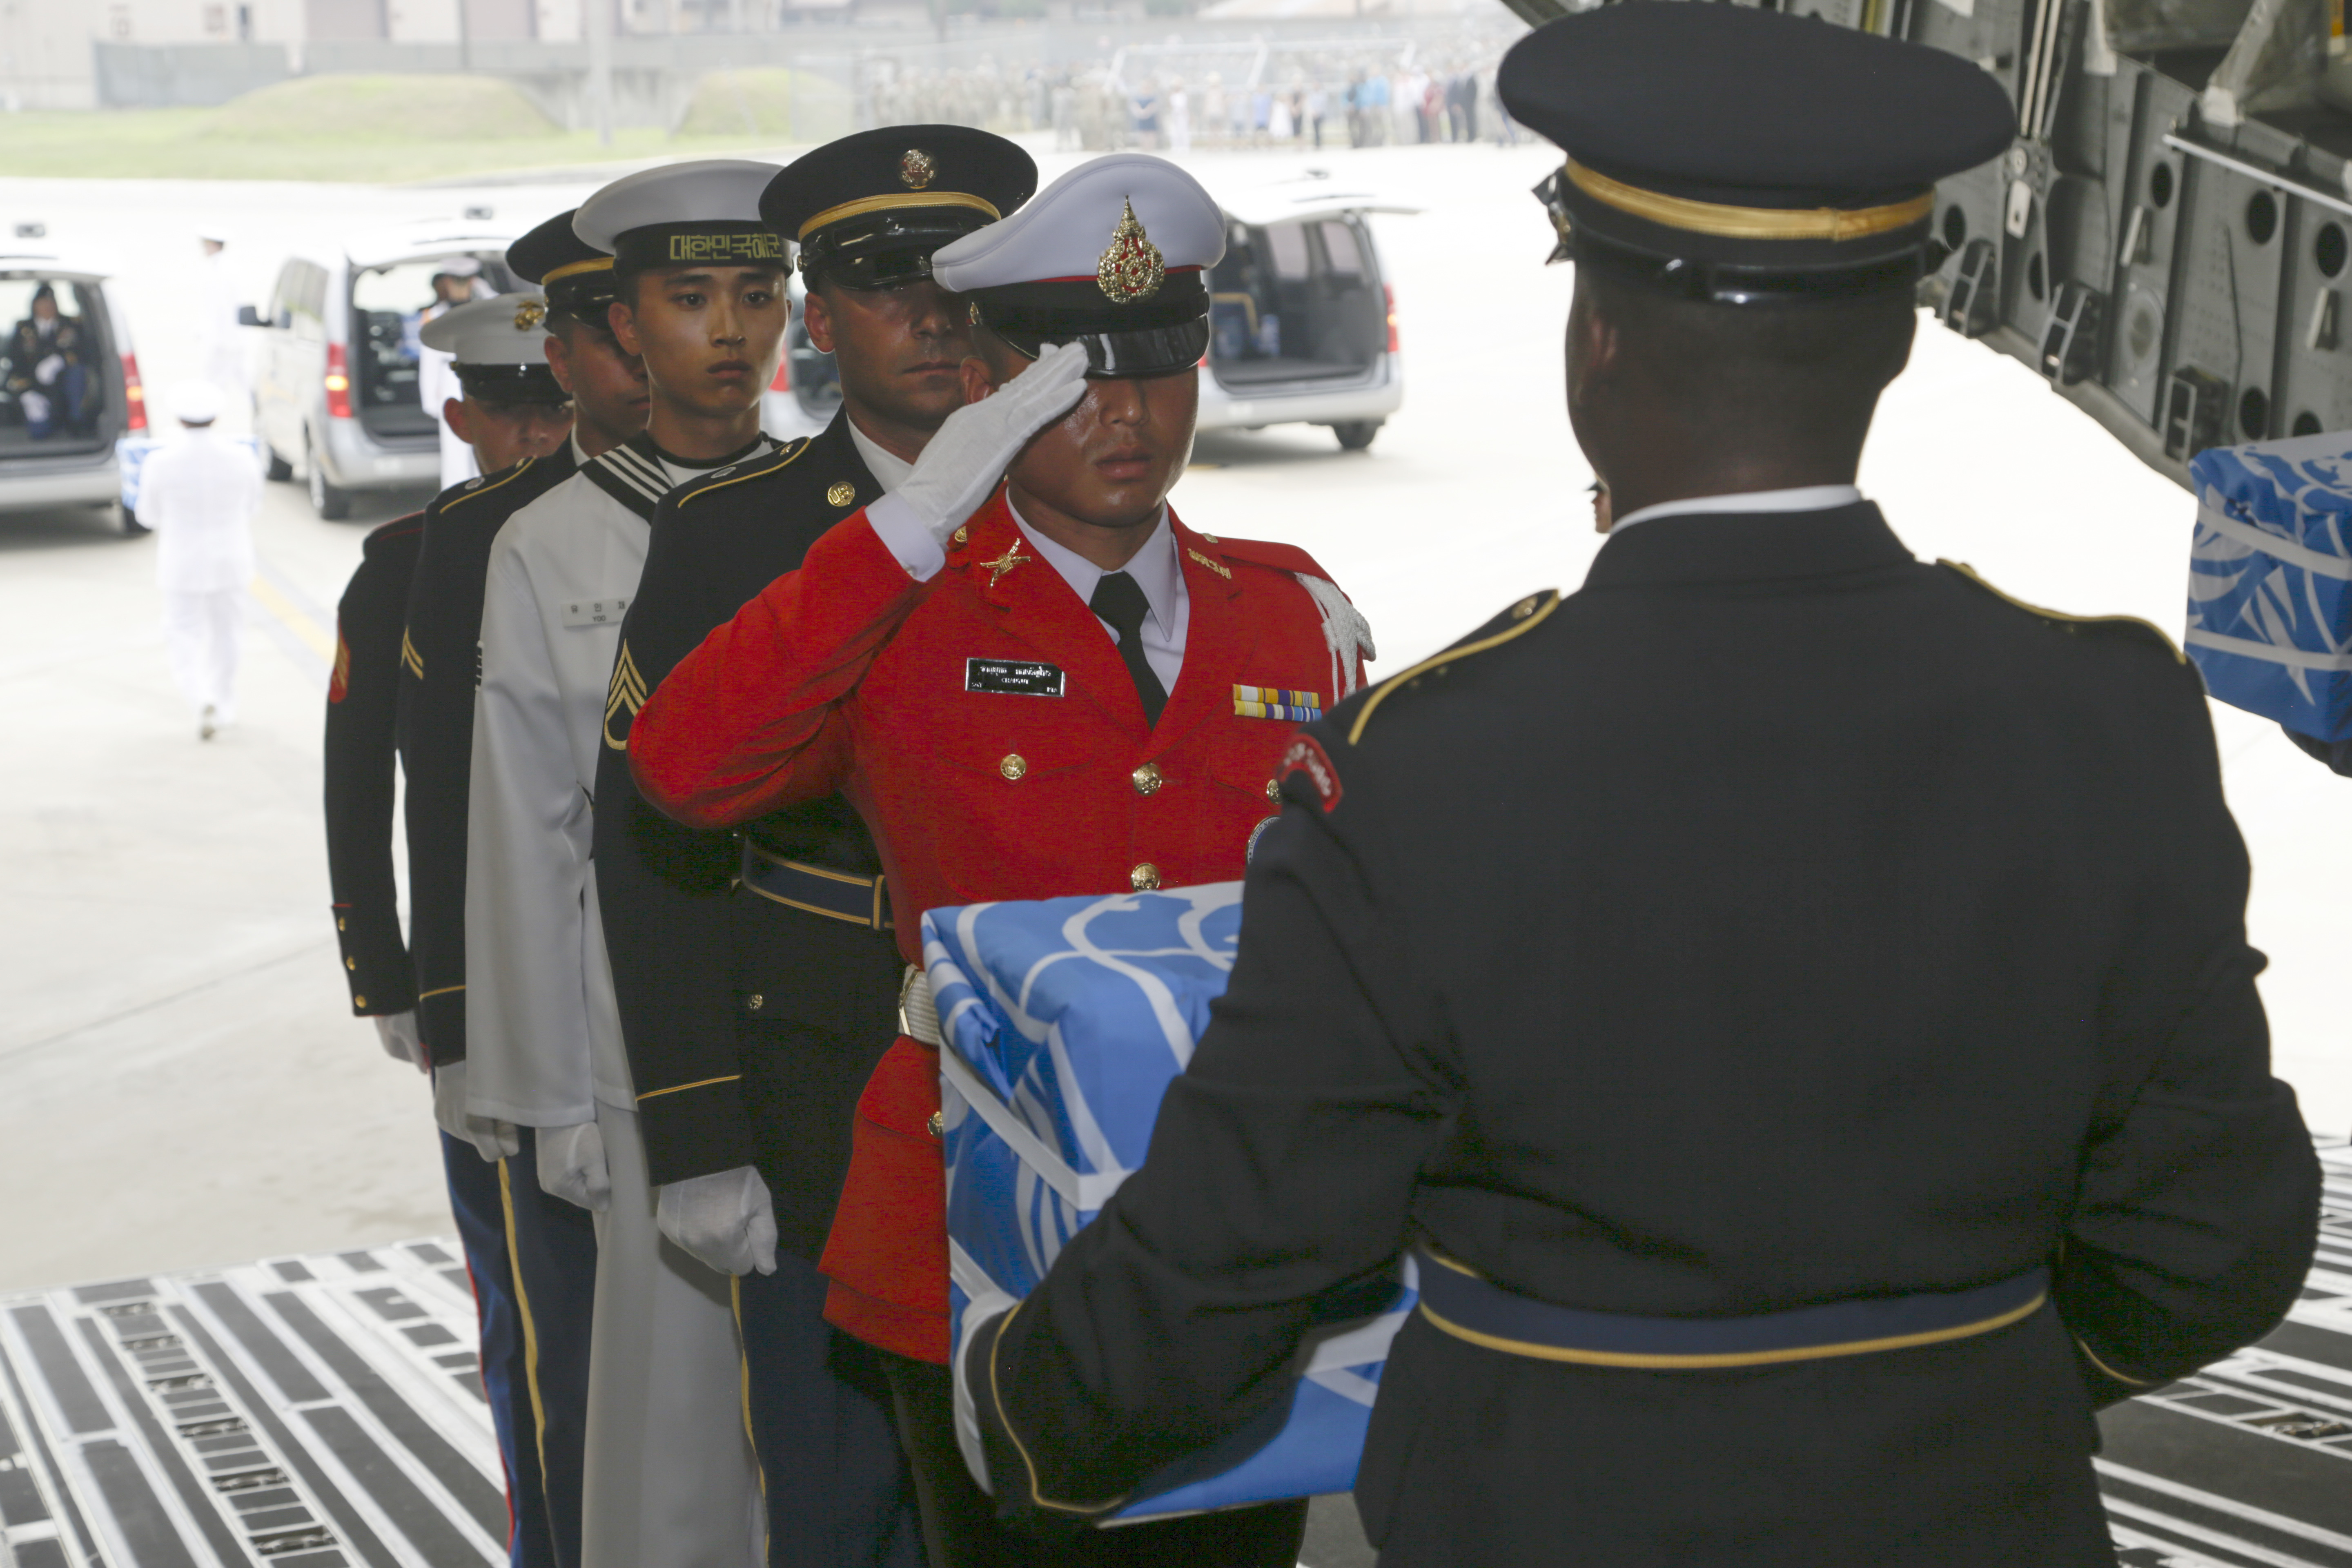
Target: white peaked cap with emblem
{"type": "Point", "coordinates": [1063, 230]}
{"type": "Point", "coordinates": [1113, 256]}
{"type": "Point", "coordinates": [638, 216]}
{"type": "Point", "coordinates": [499, 348]}
{"type": "Point", "coordinates": [506, 329]}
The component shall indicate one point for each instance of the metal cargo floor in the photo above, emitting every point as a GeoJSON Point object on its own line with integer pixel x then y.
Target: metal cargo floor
{"type": "Point", "coordinates": [306, 1413]}
{"type": "Point", "coordinates": [325, 1412]}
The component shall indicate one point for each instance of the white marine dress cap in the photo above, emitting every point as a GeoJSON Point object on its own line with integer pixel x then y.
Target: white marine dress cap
{"type": "Point", "coordinates": [500, 346]}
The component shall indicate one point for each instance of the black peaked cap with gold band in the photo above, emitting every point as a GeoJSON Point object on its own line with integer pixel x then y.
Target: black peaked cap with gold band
{"type": "Point", "coordinates": [1113, 256]}
{"type": "Point", "coordinates": [1748, 156]}
{"type": "Point", "coordinates": [700, 214]}
{"type": "Point", "coordinates": [868, 210]}
{"type": "Point", "coordinates": [576, 277]}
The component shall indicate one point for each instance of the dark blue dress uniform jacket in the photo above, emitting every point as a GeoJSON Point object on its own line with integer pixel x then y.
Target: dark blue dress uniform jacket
{"type": "Point", "coordinates": [752, 1027]}
{"type": "Point", "coordinates": [438, 675]}
{"type": "Point", "coordinates": [1778, 920]}
{"type": "Point", "coordinates": [361, 699]}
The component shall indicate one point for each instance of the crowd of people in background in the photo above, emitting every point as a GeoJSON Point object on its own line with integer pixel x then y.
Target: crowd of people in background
{"type": "Point", "coordinates": [1314, 102]}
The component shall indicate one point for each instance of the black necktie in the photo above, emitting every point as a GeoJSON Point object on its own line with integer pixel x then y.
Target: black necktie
{"type": "Point", "coordinates": [1120, 600]}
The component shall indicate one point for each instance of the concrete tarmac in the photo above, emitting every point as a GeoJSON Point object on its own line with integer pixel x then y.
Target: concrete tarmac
{"type": "Point", "coordinates": [181, 1081]}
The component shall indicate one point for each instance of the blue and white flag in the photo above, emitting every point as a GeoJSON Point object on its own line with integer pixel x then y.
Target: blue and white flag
{"type": "Point", "coordinates": [2270, 580]}
{"type": "Point", "coordinates": [1064, 1020]}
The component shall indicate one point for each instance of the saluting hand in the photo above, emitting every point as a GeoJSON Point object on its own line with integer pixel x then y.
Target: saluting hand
{"type": "Point", "coordinates": [962, 464]}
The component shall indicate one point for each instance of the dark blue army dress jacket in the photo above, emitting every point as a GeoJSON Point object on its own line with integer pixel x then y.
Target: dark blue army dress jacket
{"type": "Point", "coordinates": [1776, 923]}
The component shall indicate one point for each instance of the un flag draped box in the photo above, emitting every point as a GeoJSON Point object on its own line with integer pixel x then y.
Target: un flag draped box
{"type": "Point", "coordinates": [2270, 580]}
{"type": "Point", "coordinates": [1064, 1020]}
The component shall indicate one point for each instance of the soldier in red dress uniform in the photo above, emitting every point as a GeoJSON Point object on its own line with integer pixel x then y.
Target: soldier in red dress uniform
{"type": "Point", "coordinates": [1047, 688]}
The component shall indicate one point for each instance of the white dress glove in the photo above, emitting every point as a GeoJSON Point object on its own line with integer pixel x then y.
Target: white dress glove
{"type": "Point", "coordinates": [962, 462]}
{"type": "Point", "coordinates": [397, 1033]}
{"type": "Point", "coordinates": [45, 372]}
{"type": "Point", "coordinates": [571, 1166]}
{"type": "Point", "coordinates": [494, 1140]}
{"type": "Point", "coordinates": [727, 1220]}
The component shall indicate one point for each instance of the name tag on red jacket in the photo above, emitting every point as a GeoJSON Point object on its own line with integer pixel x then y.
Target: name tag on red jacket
{"type": "Point", "coordinates": [1012, 676]}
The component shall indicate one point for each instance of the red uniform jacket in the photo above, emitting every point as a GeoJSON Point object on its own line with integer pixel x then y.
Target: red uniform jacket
{"type": "Point", "coordinates": [931, 706]}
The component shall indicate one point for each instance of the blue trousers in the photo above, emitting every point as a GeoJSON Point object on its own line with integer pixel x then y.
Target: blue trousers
{"type": "Point", "coordinates": [838, 1491]}
{"type": "Point", "coordinates": [554, 1245]}
{"type": "Point", "coordinates": [475, 1200]}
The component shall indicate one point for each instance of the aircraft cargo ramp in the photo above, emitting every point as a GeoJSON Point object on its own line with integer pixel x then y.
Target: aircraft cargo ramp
{"type": "Point", "coordinates": [324, 1412]}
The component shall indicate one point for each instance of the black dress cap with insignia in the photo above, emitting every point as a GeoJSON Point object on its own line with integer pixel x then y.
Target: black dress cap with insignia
{"type": "Point", "coordinates": [1748, 156]}
{"type": "Point", "coordinates": [576, 277]}
{"type": "Point", "coordinates": [868, 210]}
{"type": "Point", "coordinates": [1114, 255]}
{"type": "Point", "coordinates": [700, 214]}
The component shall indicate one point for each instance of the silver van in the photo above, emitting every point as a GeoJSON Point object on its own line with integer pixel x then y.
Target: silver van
{"type": "Point", "coordinates": [1303, 327]}
{"type": "Point", "coordinates": [69, 387]}
{"type": "Point", "coordinates": [334, 371]}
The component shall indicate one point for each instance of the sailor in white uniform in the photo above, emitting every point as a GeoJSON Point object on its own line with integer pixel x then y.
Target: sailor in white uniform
{"type": "Point", "coordinates": [199, 494]}
{"type": "Point", "coordinates": [670, 1476]}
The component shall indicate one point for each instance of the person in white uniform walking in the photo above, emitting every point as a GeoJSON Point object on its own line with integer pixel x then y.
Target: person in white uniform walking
{"type": "Point", "coordinates": [221, 338]}
{"type": "Point", "coordinates": [670, 1476]}
{"type": "Point", "coordinates": [199, 494]}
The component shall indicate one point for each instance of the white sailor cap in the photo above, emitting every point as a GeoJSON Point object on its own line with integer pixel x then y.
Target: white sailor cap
{"type": "Point", "coordinates": [681, 215]}
{"type": "Point", "coordinates": [195, 401]}
{"type": "Point", "coordinates": [1113, 255]}
{"type": "Point", "coordinates": [499, 345]}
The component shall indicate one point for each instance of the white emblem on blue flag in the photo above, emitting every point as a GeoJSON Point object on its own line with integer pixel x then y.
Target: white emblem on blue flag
{"type": "Point", "coordinates": [1064, 1020]}
{"type": "Point", "coordinates": [2270, 580]}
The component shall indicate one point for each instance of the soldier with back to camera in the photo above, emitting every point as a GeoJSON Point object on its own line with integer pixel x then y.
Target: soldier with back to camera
{"type": "Point", "coordinates": [1826, 1067]}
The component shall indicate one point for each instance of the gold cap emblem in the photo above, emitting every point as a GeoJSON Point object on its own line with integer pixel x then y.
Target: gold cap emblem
{"type": "Point", "coordinates": [917, 169]}
{"type": "Point", "coordinates": [529, 314]}
{"type": "Point", "coordinates": [1130, 271]}
{"type": "Point", "coordinates": [842, 493]}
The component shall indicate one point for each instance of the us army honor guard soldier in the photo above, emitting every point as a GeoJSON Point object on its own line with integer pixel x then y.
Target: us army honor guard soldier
{"type": "Point", "coordinates": [756, 972]}
{"type": "Point", "coordinates": [1045, 687]}
{"type": "Point", "coordinates": [1826, 1064]}
{"type": "Point", "coordinates": [698, 282]}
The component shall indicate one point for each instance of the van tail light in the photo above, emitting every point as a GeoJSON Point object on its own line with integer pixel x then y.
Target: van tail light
{"type": "Point", "coordinates": [134, 393]}
{"type": "Point", "coordinates": [783, 381]}
{"type": "Point", "coordinates": [1389, 294]}
{"type": "Point", "coordinates": [339, 382]}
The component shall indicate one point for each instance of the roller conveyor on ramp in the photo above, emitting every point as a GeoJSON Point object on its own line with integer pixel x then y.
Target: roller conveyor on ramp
{"type": "Point", "coordinates": [326, 1413]}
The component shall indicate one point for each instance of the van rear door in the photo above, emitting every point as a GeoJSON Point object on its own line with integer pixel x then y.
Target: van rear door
{"type": "Point", "coordinates": [62, 392]}
{"type": "Point", "coordinates": [388, 305]}
{"type": "Point", "coordinates": [1296, 301]}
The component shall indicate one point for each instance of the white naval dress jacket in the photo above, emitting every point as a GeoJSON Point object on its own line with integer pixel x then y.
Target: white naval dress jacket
{"type": "Point", "coordinates": [200, 492]}
{"type": "Point", "coordinates": [544, 1031]}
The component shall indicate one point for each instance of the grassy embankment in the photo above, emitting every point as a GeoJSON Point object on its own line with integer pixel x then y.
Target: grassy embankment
{"type": "Point", "coordinates": [385, 128]}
